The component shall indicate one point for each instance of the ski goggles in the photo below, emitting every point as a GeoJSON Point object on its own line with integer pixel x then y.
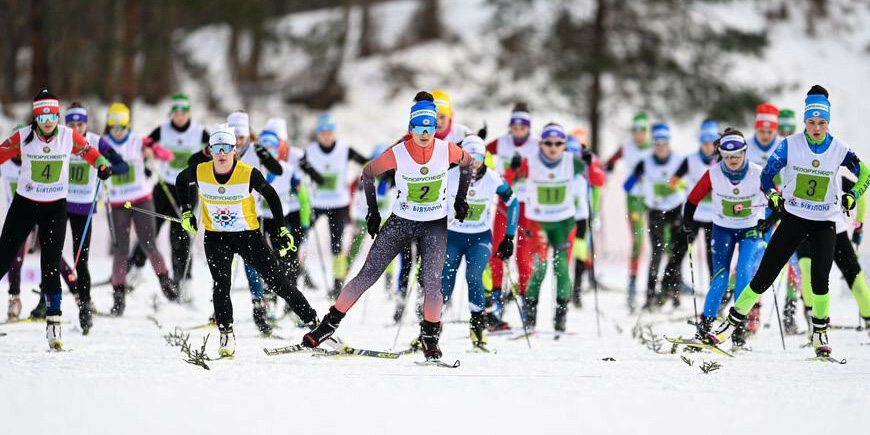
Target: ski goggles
{"type": "Point", "coordinates": [556, 143]}
{"type": "Point", "coordinates": [47, 117]}
{"type": "Point", "coordinates": [732, 155]}
{"type": "Point", "coordinates": [478, 157]}
{"type": "Point", "coordinates": [423, 129]}
{"type": "Point", "coordinates": [661, 142]}
{"type": "Point", "coordinates": [221, 148]}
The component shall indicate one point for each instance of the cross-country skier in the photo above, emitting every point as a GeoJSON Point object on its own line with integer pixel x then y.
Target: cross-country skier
{"type": "Point", "coordinates": [225, 188]}
{"type": "Point", "coordinates": [184, 138]}
{"type": "Point", "coordinates": [633, 150]}
{"type": "Point", "coordinates": [331, 198]}
{"type": "Point", "coordinates": [472, 237]}
{"type": "Point", "coordinates": [808, 162]}
{"type": "Point", "coordinates": [578, 144]}
{"type": "Point", "coordinates": [385, 190]}
{"type": "Point", "coordinates": [40, 197]}
{"type": "Point", "coordinates": [508, 151]}
{"type": "Point", "coordinates": [132, 187]}
{"type": "Point", "coordinates": [664, 203]}
{"type": "Point", "coordinates": [734, 188]}
{"type": "Point", "coordinates": [82, 189]}
{"type": "Point", "coordinates": [555, 189]}
{"type": "Point", "coordinates": [419, 213]}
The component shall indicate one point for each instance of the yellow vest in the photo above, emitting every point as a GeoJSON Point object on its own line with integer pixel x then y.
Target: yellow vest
{"type": "Point", "coordinates": [227, 207]}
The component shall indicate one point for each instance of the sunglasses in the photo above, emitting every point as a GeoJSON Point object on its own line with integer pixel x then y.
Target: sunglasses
{"type": "Point", "coordinates": [661, 142]}
{"type": "Point", "coordinates": [47, 117]}
{"type": "Point", "coordinates": [477, 157]}
{"type": "Point", "coordinates": [221, 148]}
{"type": "Point", "coordinates": [423, 129]}
{"type": "Point", "coordinates": [118, 129]}
{"type": "Point", "coordinates": [553, 144]}
{"type": "Point", "coordinates": [731, 155]}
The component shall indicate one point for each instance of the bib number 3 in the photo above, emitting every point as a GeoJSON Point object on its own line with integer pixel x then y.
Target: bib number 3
{"type": "Point", "coordinates": [811, 187]}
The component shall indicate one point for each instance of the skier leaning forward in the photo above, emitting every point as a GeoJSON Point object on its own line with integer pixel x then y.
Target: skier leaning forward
{"type": "Point", "coordinates": [419, 213]}
{"type": "Point", "coordinates": [809, 163]}
{"type": "Point", "coordinates": [232, 227]}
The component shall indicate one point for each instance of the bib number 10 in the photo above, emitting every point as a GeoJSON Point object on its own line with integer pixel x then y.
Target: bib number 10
{"type": "Point", "coordinates": [424, 192]}
{"type": "Point", "coordinates": [811, 187]}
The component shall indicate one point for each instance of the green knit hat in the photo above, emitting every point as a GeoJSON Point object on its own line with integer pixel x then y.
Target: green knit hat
{"type": "Point", "coordinates": [640, 121]}
{"type": "Point", "coordinates": [787, 121]}
{"type": "Point", "coordinates": [180, 101]}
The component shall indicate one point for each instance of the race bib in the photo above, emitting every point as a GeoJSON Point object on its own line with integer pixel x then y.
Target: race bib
{"type": "Point", "coordinates": [46, 171]}
{"type": "Point", "coordinates": [663, 190]}
{"type": "Point", "coordinates": [180, 159]}
{"type": "Point", "coordinates": [551, 195]}
{"type": "Point", "coordinates": [78, 173]}
{"type": "Point", "coordinates": [737, 209]}
{"type": "Point", "coordinates": [330, 183]}
{"type": "Point", "coordinates": [811, 187]}
{"type": "Point", "coordinates": [475, 212]}
{"type": "Point", "coordinates": [422, 193]}
{"type": "Point", "coordinates": [126, 178]}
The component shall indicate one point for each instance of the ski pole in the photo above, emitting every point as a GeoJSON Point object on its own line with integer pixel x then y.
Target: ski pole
{"type": "Point", "coordinates": [111, 219]}
{"type": "Point", "coordinates": [412, 280]}
{"type": "Point", "coordinates": [776, 307]}
{"type": "Point", "coordinates": [517, 301]}
{"type": "Point", "coordinates": [130, 206]}
{"type": "Point", "coordinates": [692, 272]}
{"type": "Point", "coordinates": [166, 191]}
{"type": "Point", "coordinates": [316, 242]}
{"type": "Point", "coordinates": [87, 226]}
{"type": "Point", "coordinates": [592, 264]}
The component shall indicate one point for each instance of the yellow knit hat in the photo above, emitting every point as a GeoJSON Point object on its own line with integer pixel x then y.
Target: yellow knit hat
{"type": "Point", "coordinates": [119, 115]}
{"type": "Point", "coordinates": [442, 102]}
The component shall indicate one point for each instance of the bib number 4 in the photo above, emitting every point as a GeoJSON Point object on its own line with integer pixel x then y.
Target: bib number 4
{"type": "Point", "coordinates": [46, 171]}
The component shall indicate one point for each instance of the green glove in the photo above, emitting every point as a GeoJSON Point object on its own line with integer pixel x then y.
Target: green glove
{"type": "Point", "coordinates": [188, 222]}
{"type": "Point", "coordinates": [849, 201]}
{"type": "Point", "coordinates": [774, 201]}
{"type": "Point", "coordinates": [287, 243]}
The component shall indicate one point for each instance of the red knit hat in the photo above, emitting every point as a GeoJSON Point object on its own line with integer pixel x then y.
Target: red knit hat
{"type": "Point", "coordinates": [766, 116]}
{"type": "Point", "coordinates": [44, 103]}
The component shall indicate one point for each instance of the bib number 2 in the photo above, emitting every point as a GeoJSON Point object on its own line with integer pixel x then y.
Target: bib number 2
{"type": "Point", "coordinates": [423, 193]}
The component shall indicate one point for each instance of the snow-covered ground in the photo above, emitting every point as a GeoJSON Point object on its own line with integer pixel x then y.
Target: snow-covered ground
{"type": "Point", "coordinates": [124, 378]}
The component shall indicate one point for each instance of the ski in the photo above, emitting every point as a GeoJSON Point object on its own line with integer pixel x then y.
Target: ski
{"type": "Point", "coordinates": [555, 334]}
{"type": "Point", "coordinates": [438, 363]}
{"type": "Point", "coordinates": [209, 325]}
{"type": "Point", "coordinates": [697, 344]}
{"type": "Point", "coordinates": [23, 320]}
{"type": "Point", "coordinates": [828, 359]}
{"type": "Point", "coordinates": [482, 349]}
{"type": "Point", "coordinates": [296, 348]}
{"type": "Point", "coordinates": [351, 351]}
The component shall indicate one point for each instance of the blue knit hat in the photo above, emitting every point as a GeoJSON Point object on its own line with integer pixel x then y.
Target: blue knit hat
{"type": "Point", "coordinates": [661, 131]}
{"type": "Point", "coordinates": [325, 123]}
{"type": "Point", "coordinates": [423, 113]}
{"type": "Point", "coordinates": [709, 131]}
{"type": "Point", "coordinates": [817, 106]}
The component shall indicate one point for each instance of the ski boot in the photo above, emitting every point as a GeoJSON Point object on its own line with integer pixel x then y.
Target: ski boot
{"type": "Point", "coordinates": [579, 268]}
{"type": "Point", "coordinates": [703, 327]}
{"type": "Point", "coordinates": [429, 333]}
{"type": "Point", "coordinates": [496, 301]}
{"type": "Point", "coordinates": [495, 323]}
{"type": "Point", "coordinates": [560, 318]}
{"type": "Point", "coordinates": [867, 325]}
{"type": "Point", "coordinates": [651, 302]}
{"type": "Point", "coordinates": [227, 348]}
{"type": "Point", "coordinates": [168, 288]}
{"type": "Point", "coordinates": [52, 332]}
{"type": "Point", "coordinates": [39, 311]}
{"type": "Point", "coordinates": [324, 330]}
{"type": "Point", "coordinates": [531, 306]}
{"type": "Point", "coordinates": [85, 316]}
{"type": "Point", "coordinates": [820, 337]}
{"type": "Point", "coordinates": [14, 307]}
{"type": "Point", "coordinates": [754, 319]}
{"type": "Point", "coordinates": [738, 338]}
{"type": "Point", "coordinates": [260, 318]}
{"type": "Point", "coordinates": [726, 328]}
{"type": "Point", "coordinates": [788, 312]}
{"type": "Point", "coordinates": [119, 297]}
{"type": "Point", "coordinates": [476, 325]}
{"type": "Point", "coordinates": [632, 293]}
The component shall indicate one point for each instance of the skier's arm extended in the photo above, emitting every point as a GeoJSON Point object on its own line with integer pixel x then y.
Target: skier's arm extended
{"type": "Point", "coordinates": [464, 160]}
{"type": "Point", "coordinates": [857, 167]}
{"type": "Point", "coordinates": [308, 169]}
{"type": "Point", "coordinates": [268, 160]}
{"type": "Point", "coordinates": [259, 183]}
{"type": "Point", "coordinates": [699, 192]}
{"type": "Point", "coordinates": [513, 207]}
{"type": "Point", "coordinates": [185, 186]}
{"type": "Point", "coordinates": [634, 177]}
{"type": "Point", "coordinates": [775, 163]}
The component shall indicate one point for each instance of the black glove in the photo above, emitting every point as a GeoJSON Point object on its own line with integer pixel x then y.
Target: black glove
{"type": "Point", "coordinates": [506, 248]}
{"type": "Point", "coordinates": [688, 229]}
{"type": "Point", "coordinates": [586, 156]}
{"type": "Point", "coordinates": [373, 223]}
{"type": "Point", "coordinates": [516, 162]}
{"type": "Point", "coordinates": [482, 132]}
{"type": "Point", "coordinates": [104, 172]}
{"type": "Point", "coordinates": [461, 208]}
{"type": "Point", "coordinates": [858, 234]}
{"type": "Point", "coordinates": [262, 152]}
{"type": "Point", "coordinates": [762, 226]}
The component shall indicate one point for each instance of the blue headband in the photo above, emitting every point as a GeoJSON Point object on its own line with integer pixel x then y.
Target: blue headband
{"type": "Point", "coordinates": [553, 130]}
{"type": "Point", "coordinates": [521, 117]}
{"type": "Point", "coordinates": [817, 106]}
{"type": "Point", "coordinates": [76, 114]}
{"type": "Point", "coordinates": [423, 113]}
{"type": "Point", "coordinates": [661, 131]}
{"type": "Point", "coordinates": [325, 123]}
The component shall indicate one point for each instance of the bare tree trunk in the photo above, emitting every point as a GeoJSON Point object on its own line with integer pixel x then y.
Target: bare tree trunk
{"type": "Point", "coordinates": [132, 11]}
{"type": "Point", "coordinates": [8, 50]}
{"type": "Point", "coordinates": [367, 45]}
{"type": "Point", "coordinates": [596, 93]}
{"type": "Point", "coordinates": [157, 76]}
{"type": "Point", "coordinates": [39, 63]}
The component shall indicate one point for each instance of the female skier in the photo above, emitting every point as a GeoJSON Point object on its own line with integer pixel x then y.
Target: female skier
{"type": "Point", "coordinates": [225, 186]}
{"type": "Point", "coordinates": [555, 191]}
{"type": "Point", "coordinates": [40, 196]}
{"type": "Point", "coordinates": [809, 162]}
{"type": "Point", "coordinates": [734, 187]}
{"type": "Point", "coordinates": [131, 186]}
{"type": "Point", "coordinates": [472, 238]}
{"type": "Point", "coordinates": [419, 213]}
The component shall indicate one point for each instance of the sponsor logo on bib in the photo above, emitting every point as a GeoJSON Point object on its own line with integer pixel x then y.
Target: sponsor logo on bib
{"type": "Point", "coordinates": [424, 170]}
{"type": "Point", "coordinates": [551, 175]}
{"type": "Point", "coordinates": [28, 187]}
{"type": "Point", "coordinates": [222, 190]}
{"type": "Point", "coordinates": [736, 191]}
{"type": "Point", "coordinates": [471, 192]}
{"type": "Point", "coordinates": [816, 163]}
{"type": "Point", "coordinates": [46, 149]}
{"type": "Point", "coordinates": [404, 205]}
